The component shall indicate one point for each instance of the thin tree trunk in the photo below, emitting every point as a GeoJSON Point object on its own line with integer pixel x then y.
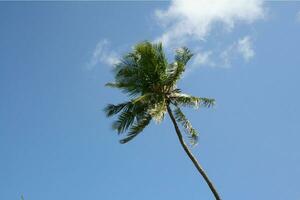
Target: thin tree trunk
{"type": "Point", "coordinates": [191, 156]}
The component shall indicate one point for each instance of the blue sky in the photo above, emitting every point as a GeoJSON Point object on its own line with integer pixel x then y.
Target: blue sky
{"type": "Point", "coordinates": [56, 143]}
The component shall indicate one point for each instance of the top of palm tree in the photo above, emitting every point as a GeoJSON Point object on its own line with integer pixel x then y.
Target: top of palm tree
{"type": "Point", "coordinates": [150, 82]}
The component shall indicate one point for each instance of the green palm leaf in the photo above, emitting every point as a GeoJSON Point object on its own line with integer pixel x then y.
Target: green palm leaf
{"type": "Point", "coordinates": [186, 124]}
{"type": "Point", "coordinates": [158, 111]}
{"type": "Point", "coordinates": [125, 120]}
{"type": "Point", "coordinates": [175, 70]}
{"type": "Point", "coordinates": [137, 128]}
{"type": "Point", "coordinates": [188, 100]}
{"type": "Point", "coordinates": [112, 109]}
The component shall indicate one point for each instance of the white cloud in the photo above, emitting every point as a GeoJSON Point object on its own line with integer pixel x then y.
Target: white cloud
{"type": "Point", "coordinates": [200, 59]}
{"type": "Point", "coordinates": [242, 47]}
{"type": "Point", "coordinates": [103, 55]}
{"type": "Point", "coordinates": [203, 58]}
{"type": "Point", "coordinates": [194, 22]}
{"type": "Point", "coordinates": [194, 19]}
{"type": "Point", "coordinates": [298, 16]}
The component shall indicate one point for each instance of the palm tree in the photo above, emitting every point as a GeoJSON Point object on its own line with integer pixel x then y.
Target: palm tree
{"type": "Point", "coordinates": [150, 82]}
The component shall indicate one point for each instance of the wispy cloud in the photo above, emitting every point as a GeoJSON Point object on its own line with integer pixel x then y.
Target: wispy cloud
{"type": "Point", "coordinates": [203, 58]}
{"type": "Point", "coordinates": [223, 58]}
{"type": "Point", "coordinates": [187, 22]}
{"type": "Point", "coordinates": [192, 23]}
{"type": "Point", "coordinates": [194, 19]}
{"type": "Point", "coordinates": [103, 55]}
{"type": "Point", "coordinates": [242, 47]}
{"type": "Point", "coordinates": [298, 16]}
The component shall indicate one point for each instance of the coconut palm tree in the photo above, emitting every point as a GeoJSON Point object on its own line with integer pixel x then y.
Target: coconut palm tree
{"type": "Point", "coordinates": [150, 82]}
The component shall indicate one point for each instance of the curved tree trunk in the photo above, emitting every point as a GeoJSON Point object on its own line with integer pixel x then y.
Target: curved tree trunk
{"type": "Point", "coordinates": [191, 156]}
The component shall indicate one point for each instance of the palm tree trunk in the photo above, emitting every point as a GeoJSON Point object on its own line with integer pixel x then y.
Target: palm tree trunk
{"type": "Point", "coordinates": [191, 156]}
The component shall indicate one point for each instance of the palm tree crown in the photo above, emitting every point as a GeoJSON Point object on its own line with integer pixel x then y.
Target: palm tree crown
{"type": "Point", "coordinates": [150, 82]}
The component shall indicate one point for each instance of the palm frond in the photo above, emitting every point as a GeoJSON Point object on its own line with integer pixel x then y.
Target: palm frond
{"type": "Point", "coordinates": [188, 100]}
{"type": "Point", "coordinates": [158, 111]}
{"type": "Point", "coordinates": [207, 102]}
{"type": "Point", "coordinates": [129, 114]}
{"type": "Point", "coordinates": [117, 85]}
{"type": "Point", "coordinates": [136, 128]}
{"type": "Point", "coordinates": [175, 70]}
{"type": "Point", "coordinates": [134, 110]}
{"type": "Point", "coordinates": [113, 85]}
{"type": "Point", "coordinates": [144, 97]}
{"type": "Point", "coordinates": [186, 124]}
{"type": "Point", "coordinates": [124, 121]}
{"type": "Point", "coordinates": [156, 105]}
{"type": "Point", "coordinates": [183, 55]}
{"type": "Point", "coordinates": [112, 109]}
{"type": "Point", "coordinates": [141, 70]}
